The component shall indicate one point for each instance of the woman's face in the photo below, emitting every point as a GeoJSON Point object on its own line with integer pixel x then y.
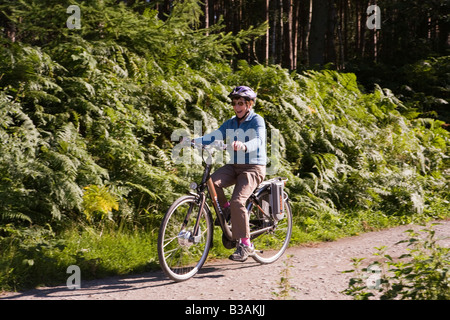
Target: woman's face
{"type": "Point", "coordinates": [240, 106]}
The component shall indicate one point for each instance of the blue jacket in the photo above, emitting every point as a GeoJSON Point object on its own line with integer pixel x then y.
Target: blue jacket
{"type": "Point", "coordinates": [252, 132]}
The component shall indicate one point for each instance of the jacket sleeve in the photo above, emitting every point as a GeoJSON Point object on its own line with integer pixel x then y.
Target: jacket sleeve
{"type": "Point", "coordinates": [258, 137]}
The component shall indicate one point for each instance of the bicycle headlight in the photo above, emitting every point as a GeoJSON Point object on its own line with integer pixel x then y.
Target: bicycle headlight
{"type": "Point", "coordinates": [193, 185]}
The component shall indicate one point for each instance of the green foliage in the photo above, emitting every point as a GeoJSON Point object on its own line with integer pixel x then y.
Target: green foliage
{"type": "Point", "coordinates": [97, 106]}
{"type": "Point", "coordinates": [284, 285]}
{"type": "Point", "coordinates": [98, 200]}
{"type": "Point", "coordinates": [423, 85]}
{"type": "Point", "coordinates": [421, 274]}
{"type": "Point", "coordinates": [347, 150]}
{"type": "Point", "coordinates": [426, 87]}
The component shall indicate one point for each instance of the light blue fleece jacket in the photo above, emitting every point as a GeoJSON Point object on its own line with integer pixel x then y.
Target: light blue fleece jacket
{"type": "Point", "coordinates": [252, 132]}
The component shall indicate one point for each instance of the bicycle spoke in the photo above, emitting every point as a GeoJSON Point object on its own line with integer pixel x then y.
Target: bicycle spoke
{"type": "Point", "coordinates": [270, 237]}
{"type": "Point", "coordinates": [182, 254]}
{"type": "Point", "coordinates": [169, 241]}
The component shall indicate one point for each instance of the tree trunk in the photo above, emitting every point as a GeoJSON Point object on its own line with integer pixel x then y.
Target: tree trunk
{"type": "Point", "coordinates": [274, 35]}
{"type": "Point", "coordinates": [317, 36]}
{"type": "Point", "coordinates": [207, 16]}
{"type": "Point", "coordinates": [331, 24]}
{"type": "Point", "coordinates": [266, 49]}
{"type": "Point", "coordinates": [362, 29]}
{"type": "Point", "coordinates": [307, 14]}
{"type": "Point", "coordinates": [281, 35]}
{"type": "Point", "coordinates": [9, 27]}
{"type": "Point", "coordinates": [288, 54]}
{"type": "Point", "coordinates": [296, 33]}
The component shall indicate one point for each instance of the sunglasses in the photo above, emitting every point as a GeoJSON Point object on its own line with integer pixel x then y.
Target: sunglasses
{"type": "Point", "coordinates": [239, 103]}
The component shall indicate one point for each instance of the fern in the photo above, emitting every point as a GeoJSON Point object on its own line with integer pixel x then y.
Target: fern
{"type": "Point", "coordinates": [98, 200]}
{"type": "Point", "coordinates": [99, 108]}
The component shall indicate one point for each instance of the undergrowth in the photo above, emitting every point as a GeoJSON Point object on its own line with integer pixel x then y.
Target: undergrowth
{"type": "Point", "coordinates": [87, 119]}
{"type": "Point", "coordinates": [421, 273]}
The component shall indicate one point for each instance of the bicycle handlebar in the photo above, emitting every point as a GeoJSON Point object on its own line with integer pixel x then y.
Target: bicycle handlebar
{"type": "Point", "coordinates": [216, 145]}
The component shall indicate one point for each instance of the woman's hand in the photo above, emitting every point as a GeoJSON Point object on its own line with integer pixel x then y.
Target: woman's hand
{"type": "Point", "coordinates": [238, 146]}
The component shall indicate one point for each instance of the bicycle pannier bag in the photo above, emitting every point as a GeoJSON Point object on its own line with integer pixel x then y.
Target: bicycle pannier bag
{"type": "Point", "coordinates": [277, 199]}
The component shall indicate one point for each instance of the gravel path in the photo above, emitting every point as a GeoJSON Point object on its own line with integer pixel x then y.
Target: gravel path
{"type": "Point", "coordinates": [316, 273]}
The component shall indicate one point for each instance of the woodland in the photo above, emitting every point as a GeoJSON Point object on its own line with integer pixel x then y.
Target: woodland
{"type": "Point", "coordinates": [88, 109]}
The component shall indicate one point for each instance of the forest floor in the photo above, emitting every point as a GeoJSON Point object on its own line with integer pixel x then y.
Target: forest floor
{"type": "Point", "coordinates": [315, 272]}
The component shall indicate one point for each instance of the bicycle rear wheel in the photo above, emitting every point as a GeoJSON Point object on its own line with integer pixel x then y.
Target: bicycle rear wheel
{"type": "Point", "coordinates": [271, 244]}
{"type": "Point", "coordinates": [181, 252]}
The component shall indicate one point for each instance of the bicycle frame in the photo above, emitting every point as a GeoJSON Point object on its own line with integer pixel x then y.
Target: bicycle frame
{"type": "Point", "coordinates": [207, 184]}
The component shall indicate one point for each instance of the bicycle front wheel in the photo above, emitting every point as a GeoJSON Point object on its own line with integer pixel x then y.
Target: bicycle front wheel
{"type": "Point", "coordinates": [181, 251]}
{"type": "Point", "coordinates": [271, 244]}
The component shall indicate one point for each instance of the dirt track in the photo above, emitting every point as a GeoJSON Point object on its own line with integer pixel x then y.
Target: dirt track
{"type": "Point", "coordinates": [316, 274]}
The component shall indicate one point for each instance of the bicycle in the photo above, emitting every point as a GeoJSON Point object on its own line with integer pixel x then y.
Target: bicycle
{"type": "Point", "coordinates": [186, 231]}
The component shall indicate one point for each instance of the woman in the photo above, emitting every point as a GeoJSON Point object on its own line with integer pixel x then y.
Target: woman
{"type": "Point", "coordinates": [246, 133]}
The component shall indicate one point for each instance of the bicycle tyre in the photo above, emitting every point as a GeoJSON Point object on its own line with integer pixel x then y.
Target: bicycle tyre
{"type": "Point", "coordinates": [270, 246]}
{"type": "Point", "coordinates": [180, 258]}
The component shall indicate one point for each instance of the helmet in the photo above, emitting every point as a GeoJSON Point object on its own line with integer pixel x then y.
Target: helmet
{"type": "Point", "coordinates": [243, 92]}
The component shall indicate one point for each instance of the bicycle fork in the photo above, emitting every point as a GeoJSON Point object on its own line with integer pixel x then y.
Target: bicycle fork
{"type": "Point", "coordinates": [186, 237]}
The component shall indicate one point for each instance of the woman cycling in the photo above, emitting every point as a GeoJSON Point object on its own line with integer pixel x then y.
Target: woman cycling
{"type": "Point", "coordinates": [246, 134]}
